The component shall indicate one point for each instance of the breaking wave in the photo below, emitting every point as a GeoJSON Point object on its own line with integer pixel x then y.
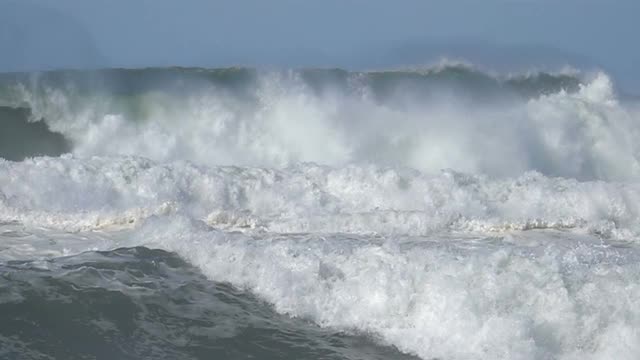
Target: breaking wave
{"type": "Point", "coordinates": [105, 193]}
{"type": "Point", "coordinates": [450, 117]}
{"type": "Point", "coordinates": [447, 212]}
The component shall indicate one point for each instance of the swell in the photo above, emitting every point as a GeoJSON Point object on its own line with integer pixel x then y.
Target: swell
{"type": "Point", "coordinates": [140, 303]}
{"type": "Point", "coordinates": [549, 295]}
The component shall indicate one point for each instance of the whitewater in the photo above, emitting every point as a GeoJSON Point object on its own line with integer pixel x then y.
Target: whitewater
{"type": "Point", "coordinates": [438, 213]}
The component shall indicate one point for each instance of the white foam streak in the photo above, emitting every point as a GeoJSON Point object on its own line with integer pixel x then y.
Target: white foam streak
{"type": "Point", "coordinates": [78, 195]}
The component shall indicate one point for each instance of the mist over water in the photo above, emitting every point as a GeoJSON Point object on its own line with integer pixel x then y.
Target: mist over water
{"type": "Point", "coordinates": [444, 212]}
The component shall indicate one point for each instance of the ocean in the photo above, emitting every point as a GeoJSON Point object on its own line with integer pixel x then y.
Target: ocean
{"type": "Point", "coordinates": [444, 212]}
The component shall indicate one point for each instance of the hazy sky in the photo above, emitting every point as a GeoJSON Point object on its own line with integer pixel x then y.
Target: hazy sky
{"type": "Point", "coordinates": [38, 34]}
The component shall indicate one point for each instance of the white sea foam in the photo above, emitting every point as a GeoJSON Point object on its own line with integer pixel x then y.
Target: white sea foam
{"type": "Point", "coordinates": [586, 135]}
{"type": "Point", "coordinates": [337, 209]}
{"type": "Point", "coordinates": [90, 194]}
{"type": "Point", "coordinates": [523, 296]}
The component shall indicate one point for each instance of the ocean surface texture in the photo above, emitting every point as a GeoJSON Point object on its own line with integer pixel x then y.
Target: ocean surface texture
{"type": "Point", "coordinates": [443, 213]}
